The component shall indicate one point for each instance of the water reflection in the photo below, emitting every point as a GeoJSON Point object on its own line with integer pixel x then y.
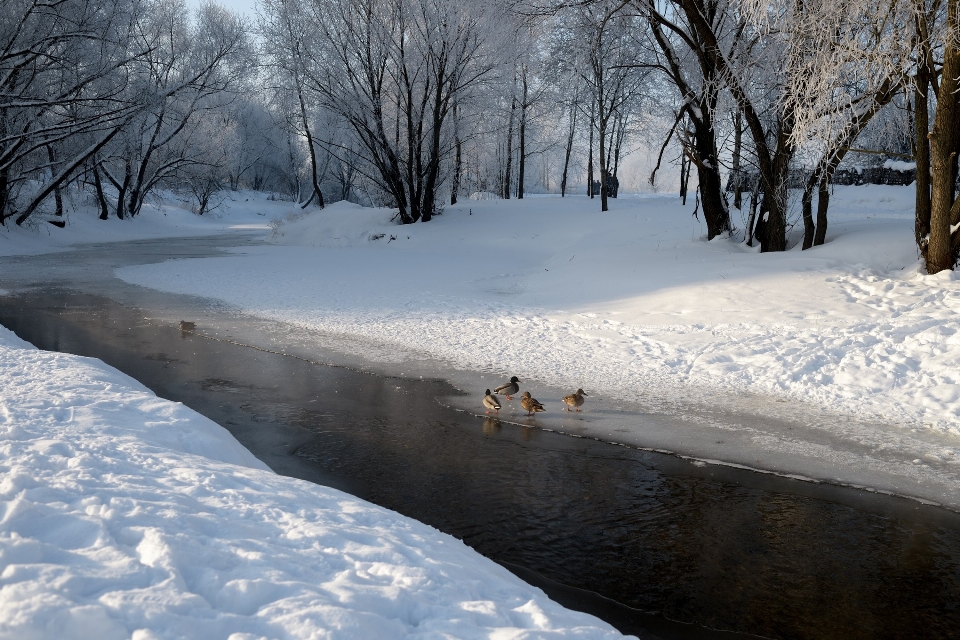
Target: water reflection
{"type": "Point", "coordinates": [491, 426]}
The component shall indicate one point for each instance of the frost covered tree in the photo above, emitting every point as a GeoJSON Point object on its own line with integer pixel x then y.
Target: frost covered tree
{"type": "Point", "coordinates": [696, 78]}
{"type": "Point", "coordinates": [185, 76]}
{"type": "Point", "coordinates": [64, 94]}
{"type": "Point", "coordinates": [393, 70]}
{"type": "Point", "coordinates": [602, 41]}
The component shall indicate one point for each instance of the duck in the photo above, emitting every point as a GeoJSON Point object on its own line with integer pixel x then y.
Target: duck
{"type": "Point", "coordinates": [531, 404]}
{"type": "Point", "coordinates": [186, 326]}
{"type": "Point", "coordinates": [509, 389]}
{"type": "Point", "coordinates": [574, 400]}
{"type": "Point", "coordinates": [490, 402]}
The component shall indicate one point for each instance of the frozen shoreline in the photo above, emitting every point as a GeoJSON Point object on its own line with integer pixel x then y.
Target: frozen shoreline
{"type": "Point", "coordinates": [837, 363]}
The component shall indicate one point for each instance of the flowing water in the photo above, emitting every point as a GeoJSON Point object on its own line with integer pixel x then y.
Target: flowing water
{"type": "Point", "coordinates": [607, 529]}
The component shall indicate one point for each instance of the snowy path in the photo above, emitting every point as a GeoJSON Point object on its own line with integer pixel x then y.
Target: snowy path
{"type": "Point", "coordinates": [123, 515]}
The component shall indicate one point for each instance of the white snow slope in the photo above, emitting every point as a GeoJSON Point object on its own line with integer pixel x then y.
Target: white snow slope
{"type": "Point", "coordinates": [123, 515]}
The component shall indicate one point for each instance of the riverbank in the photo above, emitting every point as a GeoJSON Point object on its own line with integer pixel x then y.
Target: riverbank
{"type": "Point", "coordinates": [126, 515]}
{"type": "Point", "coordinates": [833, 364]}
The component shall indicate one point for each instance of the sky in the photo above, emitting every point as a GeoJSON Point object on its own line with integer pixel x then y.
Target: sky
{"type": "Point", "coordinates": [247, 7]}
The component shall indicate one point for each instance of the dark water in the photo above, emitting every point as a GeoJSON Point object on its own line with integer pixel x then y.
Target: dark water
{"type": "Point", "coordinates": [718, 547]}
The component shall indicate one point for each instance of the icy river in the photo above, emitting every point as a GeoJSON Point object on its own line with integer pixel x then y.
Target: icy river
{"type": "Point", "coordinates": [612, 530]}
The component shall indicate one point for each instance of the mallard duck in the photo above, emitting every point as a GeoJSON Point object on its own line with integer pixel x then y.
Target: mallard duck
{"type": "Point", "coordinates": [509, 389]}
{"type": "Point", "coordinates": [532, 405]}
{"type": "Point", "coordinates": [574, 400]}
{"type": "Point", "coordinates": [490, 402]}
{"type": "Point", "coordinates": [186, 326]}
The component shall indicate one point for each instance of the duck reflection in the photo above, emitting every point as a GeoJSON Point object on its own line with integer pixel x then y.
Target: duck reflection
{"type": "Point", "coordinates": [491, 426]}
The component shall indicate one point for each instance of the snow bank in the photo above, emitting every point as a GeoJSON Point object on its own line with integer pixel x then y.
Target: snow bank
{"type": "Point", "coordinates": [123, 515]}
{"type": "Point", "coordinates": [164, 218]}
{"type": "Point", "coordinates": [630, 303]}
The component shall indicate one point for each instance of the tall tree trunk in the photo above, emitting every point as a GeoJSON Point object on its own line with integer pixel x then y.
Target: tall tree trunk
{"type": "Point", "coordinates": [4, 195]}
{"type": "Point", "coordinates": [809, 227]}
{"type": "Point", "coordinates": [315, 180]}
{"type": "Point", "coordinates": [774, 235]}
{"type": "Point", "coordinates": [754, 202]}
{"type": "Point", "coordinates": [603, 167]}
{"type": "Point", "coordinates": [122, 189]}
{"type": "Point", "coordinates": [457, 170]}
{"type": "Point", "coordinates": [566, 156]}
{"type": "Point", "coordinates": [737, 147]}
{"type": "Point", "coordinates": [943, 150]}
{"type": "Point", "coordinates": [593, 107]}
{"type": "Point", "coordinates": [684, 177]}
{"type": "Point", "coordinates": [101, 197]}
{"type": "Point", "coordinates": [823, 203]}
{"type": "Point", "coordinates": [57, 192]}
{"type": "Point", "coordinates": [921, 123]}
{"type": "Point", "coordinates": [522, 151]}
{"type": "Point", "coordinates": [507, 176]}
{"type": "Point", "coordinates": [715, 211]}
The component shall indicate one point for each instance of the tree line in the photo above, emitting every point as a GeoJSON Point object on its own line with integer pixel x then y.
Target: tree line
{"type": "Point", "coordinates": [415, 103]}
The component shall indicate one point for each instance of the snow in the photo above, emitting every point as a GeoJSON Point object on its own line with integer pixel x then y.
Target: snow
{"type": "Point", "coordinates": [899, 165]}
{"type": "Point", "coordinates": [123, 515]}
{"type": "Point", "coordinates": [622, 302]}
{"type": "Point", "coordinates": [632, 305]}
{"type": "Point", "coordinates": [162, 217]}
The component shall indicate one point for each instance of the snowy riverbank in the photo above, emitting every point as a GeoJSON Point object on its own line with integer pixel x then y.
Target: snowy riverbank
{"type": "Point", "coordinates": [123, 515]}
{"type": "Point", "coordinates": [631, 303]}
{"type": "Point", "coordinates": [634, 306]}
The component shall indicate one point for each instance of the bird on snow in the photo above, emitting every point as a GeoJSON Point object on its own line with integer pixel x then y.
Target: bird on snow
{"type": "Point", "coordinates": [490, 402]}
{"type": "Point", "coordinates": [532, 405]}
{"type": "Point", "coordinates": [574, 400]}
{"type": "Point", "coordinates": [510, 388]}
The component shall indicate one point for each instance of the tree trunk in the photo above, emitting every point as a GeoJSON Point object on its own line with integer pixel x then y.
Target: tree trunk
{"type": "Point", "coordinates": [684, 176]}
{"type": "Point", "coordinates": [566, 156]}
{"type": "Point", "coordinates": [943, 148]}
{"type": "Point", "coordinates": [603, 168]}
{"type": "Point", "coordinates": [522, 153]}
{"type": "Point", "coordinates": [507, 177]}
{"type": "Point", "coordinates": [457, 170]}
{"type": "Point", "coordinates": [122, 190]}
{"type": "Point", "coordinates": [774, 236]}
{"type": "Point", "coordinates": [921, 123]}
{"type": "Point", "coordinates": [754, 201]}
{"type": "Point", "coordinates": [57, 192]}
{"type": "Point", "coordinates": [315, 181]}
{"type": "Point", "coordinates": [590, 155]}
{"type": "Point", "coordinates": [715, 211]}
{"type": "Point", "coordinates": [809, 229]}
{"type": "Point", "coordinates": [823, 203]}
{"type": "Point", "coordinates": [737, 146]}
{"type": "Point", "coordinates": [101, 198]}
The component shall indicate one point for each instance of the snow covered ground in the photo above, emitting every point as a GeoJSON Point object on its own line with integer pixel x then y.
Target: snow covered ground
{"type": "Point", "coordinates": [159, 218]}
{"type": "Point", "coordinates": [123, 515]}
{"type": "Point", "coordinates": [635, 306]}
{"type": "Point", "coordinates": [632, 302]}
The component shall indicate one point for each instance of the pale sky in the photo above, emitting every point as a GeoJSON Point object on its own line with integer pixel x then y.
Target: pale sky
{"type": "Point", "coordinates": [247, 7]}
